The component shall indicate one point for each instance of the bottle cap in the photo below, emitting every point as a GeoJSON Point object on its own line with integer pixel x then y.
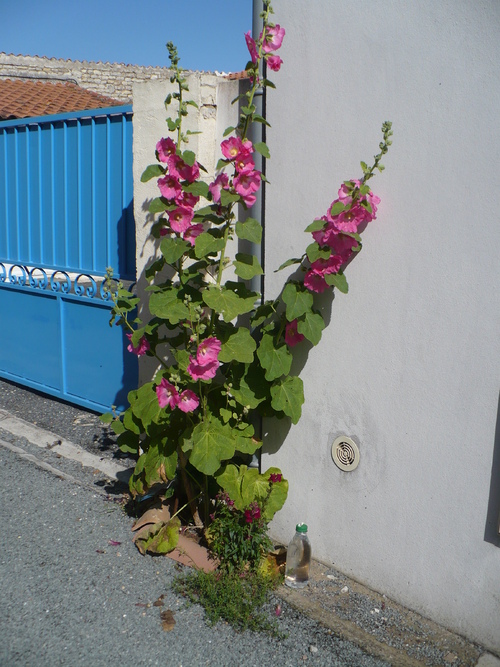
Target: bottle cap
{"type": "Point", "coordinates": [301, 528]}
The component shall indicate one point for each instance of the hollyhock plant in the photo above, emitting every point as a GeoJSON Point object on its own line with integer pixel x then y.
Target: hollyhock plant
{"type": "Point", "coordinates": [180, 218]}
{"type": "Point", "coordinates": [167, 395]}
{"type": "Point", "coordinates": [140, 349]}
{"type": "Point", "coordinates": [225, 354]}
{"type": "Point", "coordinates": [164, 148]}
{"type": "Point", "coordinates": [292, 338]}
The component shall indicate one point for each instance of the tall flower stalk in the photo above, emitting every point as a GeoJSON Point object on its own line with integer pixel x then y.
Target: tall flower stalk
{"type": "Point", "coordinates": [192, 426]}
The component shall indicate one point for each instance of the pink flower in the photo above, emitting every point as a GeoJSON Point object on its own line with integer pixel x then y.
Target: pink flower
{"type": "Point", "coordinates": [164, 148]}
{"type": "Point", "coordinates": [141, 349]}
{"type": "Point", "coordinates": [273, 38]}
{"type": "Point", "coordinates": [275, 476]}
{"type": "Point", "coordinates": [180, 218]}
{"type": "Point", "coordinates": [345, 196]}
{"type": "Point", "coordinates": [187, 199]}
{"type": "Point", "coordinates": [244, 163]}
{"type": "Point", "coordinates": [234, 148]}
{"type": "Point", "coordinates": [202, 371]}
{"type": "Point", "coordinates": [340, 243]}
{"type": "Point", "coordinates": [252, 47]}
{"type": "Point", "coordinates": [351, 219]}
{"type": "Point", "coordinates": [330, 265]}
{"type": "Point", "coordinates": [170, 187]}
{"type": "Point", "coordinates": [274, 63]}
{"type": "Point", "coordinates": [181, 169]}
{"type": "Point", "coordinates": [167, 394]}
{"type": "Point", "coordinates": [292, 338]}
{"type": "Point", "coordinates": [192, 233]}
{"type": "Point", "coordinates": [220, 183]}
{"type": "Point", "coordinates": [249, 200]}
{"type": "Point", "coordinates": [246, 183]}
{"type": "Point", "coordinates": [315, 281]}
{"type": "Point", "coordinates": [208, 351]}
{"type": "Point", "coordinates": [188, 401]}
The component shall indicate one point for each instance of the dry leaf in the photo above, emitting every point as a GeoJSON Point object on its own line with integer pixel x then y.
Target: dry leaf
{"type": "Point", "coordinates": [159, 602]}
{"type": "Point", "coordinates": [158, 513]}
{"type": "Point", "coordinates": [167, 620]}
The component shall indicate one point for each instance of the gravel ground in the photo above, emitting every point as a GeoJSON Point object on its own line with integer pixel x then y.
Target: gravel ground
{"type": "Point", "coordinates": [70, 524]}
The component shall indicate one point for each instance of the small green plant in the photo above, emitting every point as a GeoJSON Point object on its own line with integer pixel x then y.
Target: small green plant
{"type": "Point", "coordinates": [237, 598]}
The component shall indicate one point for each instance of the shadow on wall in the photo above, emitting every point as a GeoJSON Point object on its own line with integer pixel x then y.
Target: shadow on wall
{"type": "Point", "coordinates": [491, 531]}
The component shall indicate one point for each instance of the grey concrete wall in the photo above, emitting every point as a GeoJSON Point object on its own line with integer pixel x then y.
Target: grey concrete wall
{"type": "Point", "coordinates": [410, 363]}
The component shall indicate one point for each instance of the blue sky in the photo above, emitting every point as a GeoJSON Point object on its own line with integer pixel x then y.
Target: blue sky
{"type": "Point", "coordinates": [208, 33]}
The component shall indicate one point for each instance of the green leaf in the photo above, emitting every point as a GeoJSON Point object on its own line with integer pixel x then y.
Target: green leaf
{"type": "Point", "coordinates": [193, 104]}
{"type": "Point", "coordinates": [260, 119]}
{"type": "Point", "coordinates": [206, 244]}
{"type": "Point", "coordinates": [264, 312]}
{"type": "Point", "coordinates": [298, 301]}
{"type": "Point", "coordinates": [230, 479]}
{"type": "Point", "coordinates": [159, 538]}
{"type": "Point", "coordinates": [337, 207]}
{"type": "Point", "coordinates": [311, 327]}
{"type": "Point", "coordinates": [252, 388]}
{"type": "Point", "coordinates": [228, 130]}
{"type": "Point", "coordinates": [145, 406]}
{"type": "Point", "coordinates": [153, 171]}
{"type": "Point", "coordinates": [288, 396]}
{"type": "Point", "coordinates": [212, 442]}
{"type": "Point", "coordinates": [247, 444]}
{"type": "Point", "coordinates": [168, 305]}
{"type": "Point", "coordinates": [198, 188]}
{"type": "Point", "coordinates": [250, 230]}
{"type": "Point", "coordinates": [314, 252]}
{"type": "Point", "coordinates": [262, 148]}
{"type": "Point", "coordinates": [289, 262]}
{"type": "Point", "coordinates": [278, 495]}
{"type": "Point", "coordinates": [172, 248]}
{"type": "Point", "coordinates": [276, 361]}
{"type": "Point", "coordinates": [231, 300]}
{"type": "Point", "coordinates": [221, 164]}
{"type": "Point", "coordinates": [248, 110]}
{"type": "Point", "coordinates": [240, 346]}
{"type": "Point", "coordinates": [107, 417]}
{"type": "Point", "coordinates": [189, 158]}
{"type": "Point", "coordinates": [172, 124]}
{"type": "Point", "coordinates": [247, 266]}
{"type": "Point", "coordinates": [315, 226]}
{"type": "Point", "coordinates": [227, 198]}
{"type": "Point", "coordinates": [337, 280]}
{"type": "Point", "coordinates": [157, 205]}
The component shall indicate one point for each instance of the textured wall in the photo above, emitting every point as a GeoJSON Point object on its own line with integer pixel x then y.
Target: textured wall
{"type": "Point", "coordinates": [410, 363]}
{"type": "Point", "coordinates": [112, 79]}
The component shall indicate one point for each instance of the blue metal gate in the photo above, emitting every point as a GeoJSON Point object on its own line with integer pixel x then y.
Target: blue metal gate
{"type": "Point", "coordinates": [66, 214]}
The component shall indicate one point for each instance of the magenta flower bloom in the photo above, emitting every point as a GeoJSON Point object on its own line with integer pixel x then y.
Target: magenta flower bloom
{"type": "Point", "coordinates": [247, 182]}
{"type": "Point", "coordinates": [192, 233]}
{"type": "Point", "coordinates": [248, 516]}
{"type": "Point", "coordinates": [167, 394]}
{"type": "Point", "coordinates": [188, 401]}
{"type": "Point", "coordinates": [274, 63]}
{"type": "Point", "coordinates": [170, 187]}
{"type": "Point", "coordinates": [244, 163]}
{"type": "Point", "coordinates": [187, 199]}
{"type": "Point", "coordinates": [275, 477]}
{"type": "Point", "coordinates": [219, 184]}
{"type": "Point", "coordinates": [315, 281]}
{"type": "Point", "coordinates": [141, 349]}
{"type": "Point", "coordinates": [234, 148]}
{"type": "Point", "coordinates": [273, 38]}
{"type": "Point", "coordinates": [164, 148]}
{"type": "Point", "coordinates": [292, 338]}
{"type": "Point", "coordinates": [181, 170]}
{"type": "Point", "coordinates": [202, 372]}
{"type": "Point", "coordinates": [208, 350]}
{"type": "Point", "coordinates": [252, 47]}
{"type": "Point", "coordinates": [180, 218]}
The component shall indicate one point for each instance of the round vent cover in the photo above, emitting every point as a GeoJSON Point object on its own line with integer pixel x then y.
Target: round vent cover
{"type": "Point", "coordinates": [345, 453]}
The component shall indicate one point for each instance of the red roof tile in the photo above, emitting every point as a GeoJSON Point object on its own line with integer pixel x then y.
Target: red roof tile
{"type": "Point", "coordinates": [24, 99]}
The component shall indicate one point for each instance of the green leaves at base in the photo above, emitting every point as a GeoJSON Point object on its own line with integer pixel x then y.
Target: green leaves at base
{"type": "Point", "coordinates": [168, 304]}
{"type": "Point", "coordinates": [311, 326]}
{"type": "Point", "coordinates": [288, 396]}
{"type": "Point", "coordinates": [247, 266]}
{"type": "Point", "coordinates": [158, 538]}
{"type": "Point", "coordinates": [158, 464]}
{"type": "Point", "coordinates": [210, 443]}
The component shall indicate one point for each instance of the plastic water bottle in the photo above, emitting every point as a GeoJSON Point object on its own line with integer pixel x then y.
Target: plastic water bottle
{"type": "Point", "coordinates": [298, 558]}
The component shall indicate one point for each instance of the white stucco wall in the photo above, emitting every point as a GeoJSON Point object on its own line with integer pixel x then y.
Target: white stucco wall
{"type": "Point", "coordinates": [410, 363]}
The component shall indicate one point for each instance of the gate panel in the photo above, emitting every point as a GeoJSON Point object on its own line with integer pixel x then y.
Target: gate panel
{"type": "Point", "coordinates": [66, 214]}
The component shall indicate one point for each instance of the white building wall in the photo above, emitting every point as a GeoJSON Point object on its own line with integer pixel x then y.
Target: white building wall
{"type": "Point", "coordinates": [409, 366]}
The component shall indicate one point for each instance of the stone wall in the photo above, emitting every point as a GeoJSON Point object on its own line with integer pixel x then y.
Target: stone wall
{"type": "Point", "coordinates": [111, 79]}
